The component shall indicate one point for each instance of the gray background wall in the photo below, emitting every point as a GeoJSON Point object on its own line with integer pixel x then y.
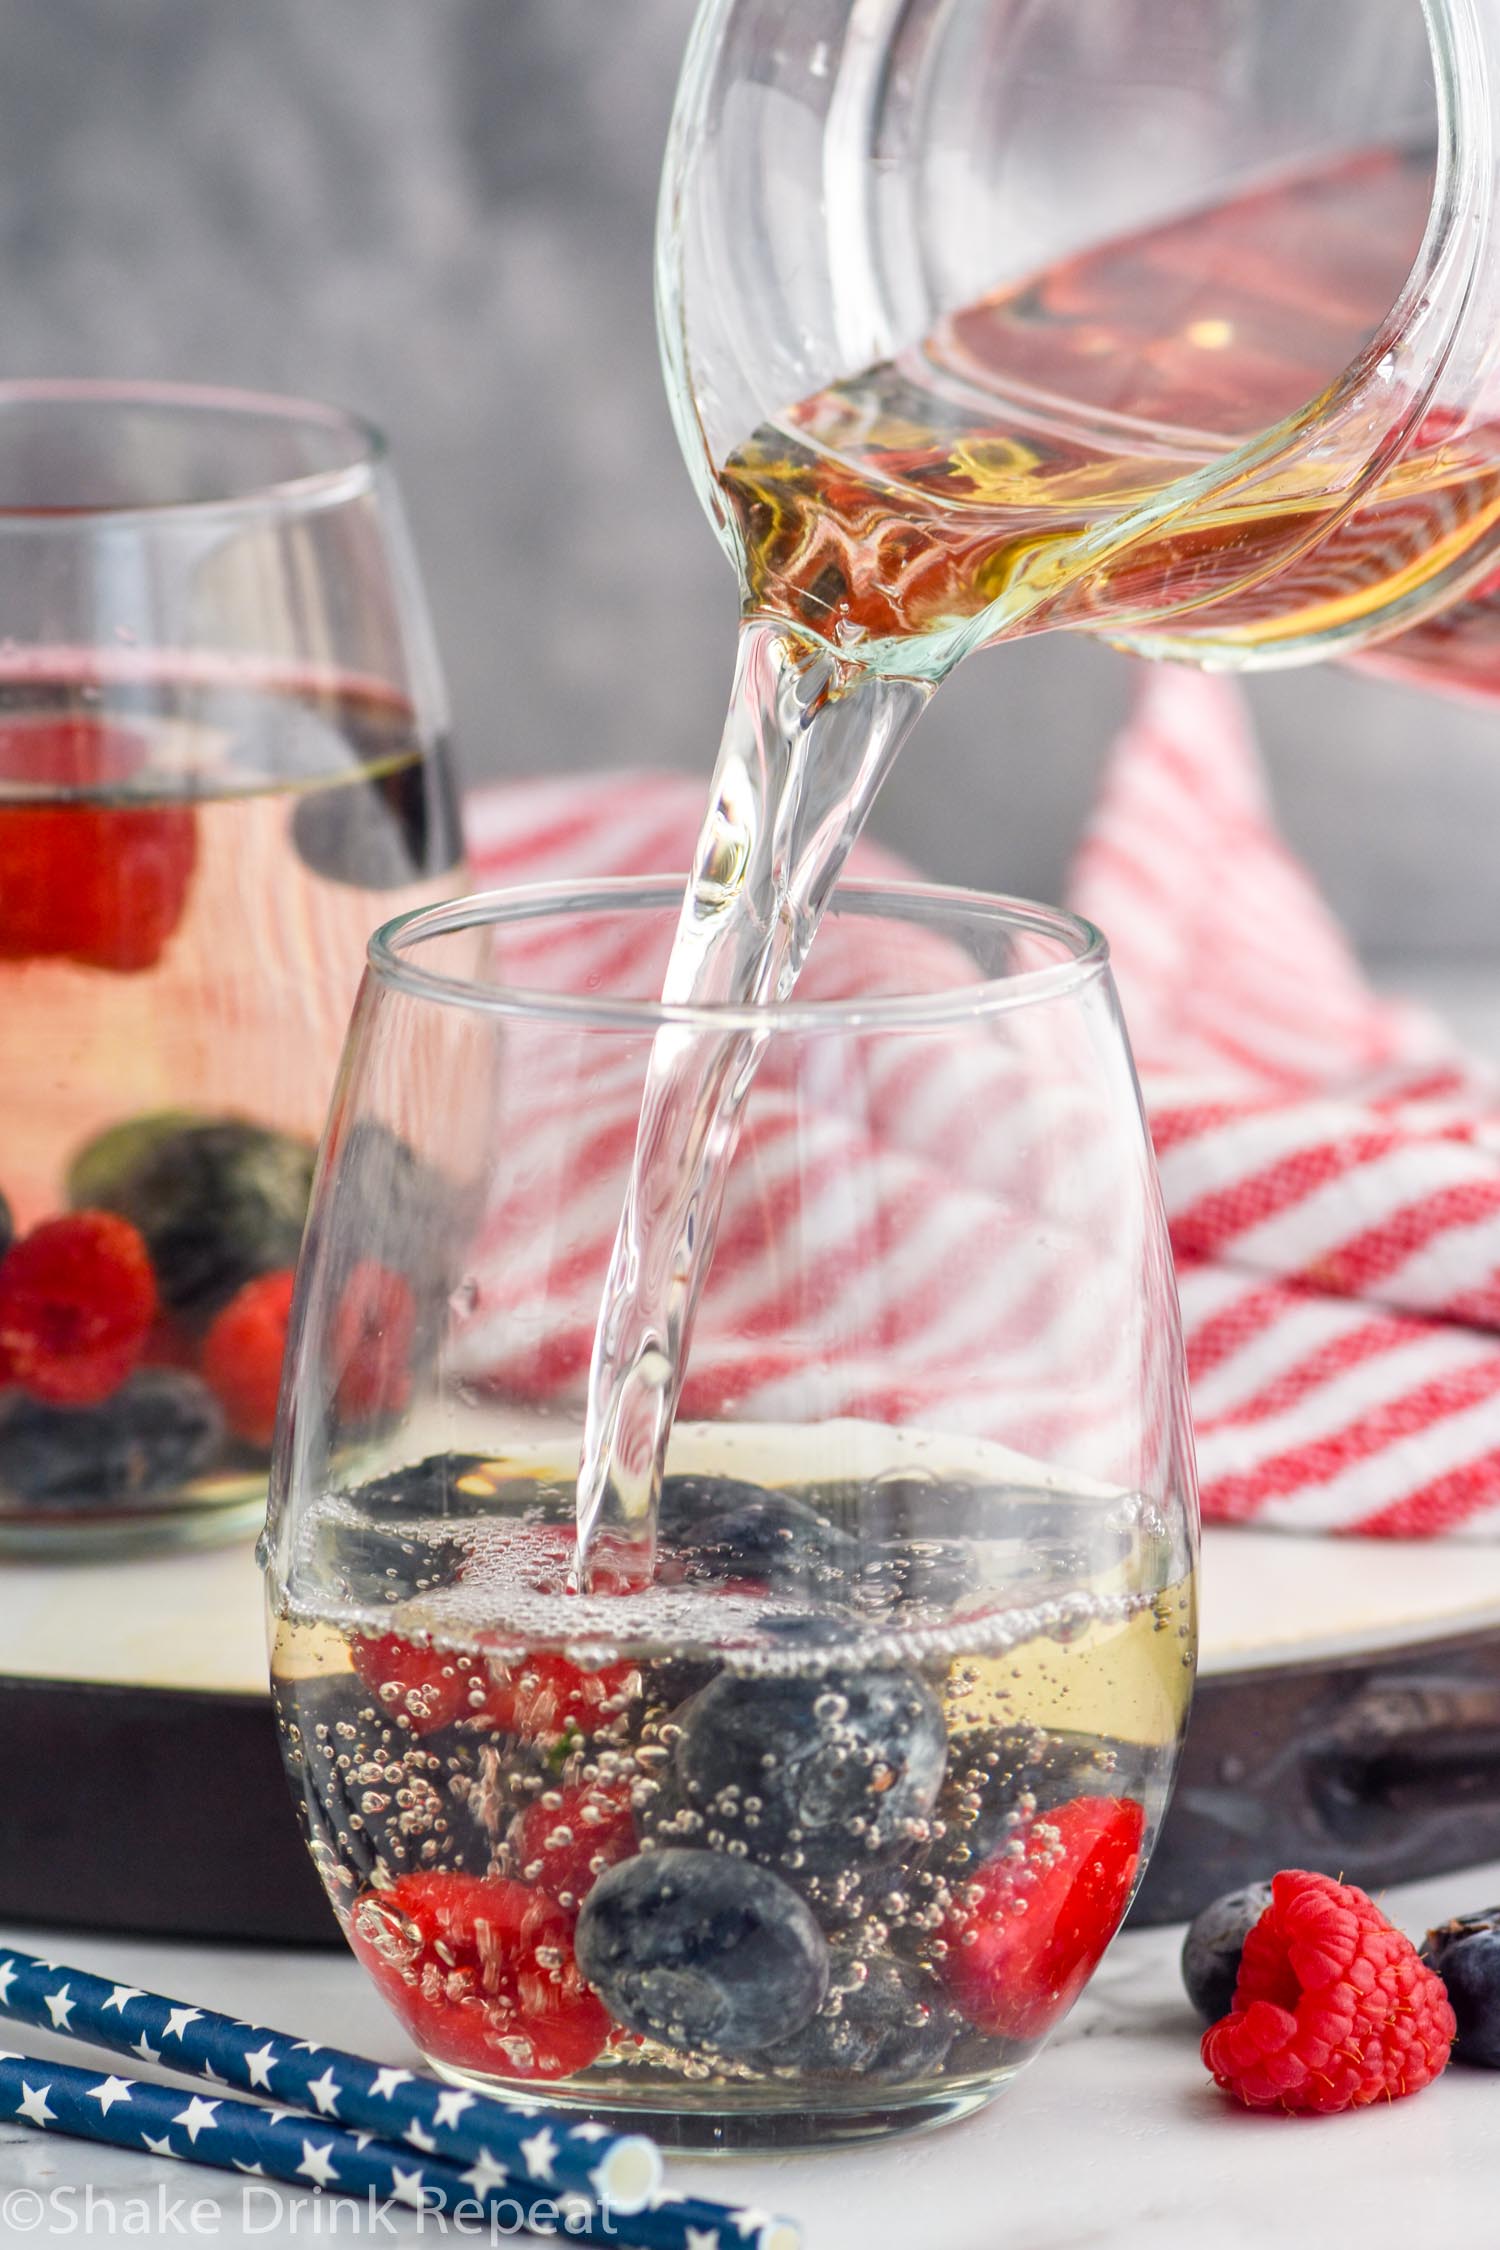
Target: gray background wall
{"type": "Point", "coordinates": [440, 211]}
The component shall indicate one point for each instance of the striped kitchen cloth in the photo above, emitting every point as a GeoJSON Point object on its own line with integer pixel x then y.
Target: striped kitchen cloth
{"type": "Point", "coordinates": [1330, 1163]}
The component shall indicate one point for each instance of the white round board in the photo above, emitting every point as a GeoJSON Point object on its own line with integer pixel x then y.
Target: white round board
{"type": "Point", "coordinates": [195, 1620]}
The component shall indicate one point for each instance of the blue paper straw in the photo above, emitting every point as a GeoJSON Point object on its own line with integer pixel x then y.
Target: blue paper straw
{"type": "Point", "coordinates": [280, 2144]}
{"type": "Point", "coordinates": [623, 2170]}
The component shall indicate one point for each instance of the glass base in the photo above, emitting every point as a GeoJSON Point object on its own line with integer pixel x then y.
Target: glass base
{"type": "Point", "coordinates": [760, 2121]}
{"type": "Point", "coordinates": [102, 1534]}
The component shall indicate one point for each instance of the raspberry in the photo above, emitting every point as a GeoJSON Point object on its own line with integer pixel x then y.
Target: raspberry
{"type": "Point", "coordinates": [372, 1340]}
{"type": "Point", "coordinates": [1333, 2008]}
{"type": "Point", "coordinates": [428, 1687]}
{"type": "Point", "coordinates": [104, 884]}
{"type": "Point", "coordinates": [243, 1352]}
{"type": "Point", "coordinates": [77, 1300]}
{"type": "Point", "coordinates": [547, 1699]}
{"type": "Point", "coordinates": [1029, 1928]}
{"type": "Point", "coordinates": [564, 1841]}
{"type": "Point", "coordinates": [482, 1973]}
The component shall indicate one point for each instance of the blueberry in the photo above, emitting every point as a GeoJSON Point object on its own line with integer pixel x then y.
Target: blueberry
{"type": "Point", "coordinates": [883, 2020]}
{"type": "Point", "coordinates": [443, 1484]}
{"type": "Point", "coordinates": [376, 1802]}
{"type": "Point", "coordinates": [903, 1573]}
{"type": "Point", "coordinates": [103, 1165]}
{"type": "Point", "coordinates": [217, 1204]}
{"type": "Point", "coordinates": [387, 825]}
{"type": "Point", "coordinates": [1214, 1943]}
{"type": "Point", "coordinates": [817, 1773]}
{"type": "Point", "coordinates": [1466, 1955]}
{"type": "Point", "coordinates": [702, 1952]}
{"type": "Point", "coordinates": [161, 1429]}
{"type": "Point", "coordinates": [366, 1564]}
{"type": "Point", "coordinates": [998, 1775]}
{"type": "Point", "coordinates": [725, 1528]}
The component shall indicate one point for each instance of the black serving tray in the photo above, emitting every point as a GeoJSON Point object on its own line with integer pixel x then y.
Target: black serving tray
{"type": "Point", "coordinates": [1347, 1718]}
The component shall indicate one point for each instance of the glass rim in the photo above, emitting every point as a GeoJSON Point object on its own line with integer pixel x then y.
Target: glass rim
{"type": "Point", "coordinates": [368, 446]}
{"type": "Point", "coordinates": [1087, 959]}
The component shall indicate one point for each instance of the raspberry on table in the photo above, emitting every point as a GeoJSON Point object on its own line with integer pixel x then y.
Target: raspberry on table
{"type": "Point", "coordinates": [243, 1352]}
{"type": "Point", "coordinates": [77, 1303]}
{"type": "Point", "coordinates": [1027, 1931]}
{"type": "Point", "coordinates": [1333, 2008]}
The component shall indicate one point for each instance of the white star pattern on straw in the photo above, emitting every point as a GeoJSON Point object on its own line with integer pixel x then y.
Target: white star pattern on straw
{"type": "Point", "coordinates": [109, 2091]}
{"type": "Point", "coordinates": [121, 1997]}
{"type": "Point", "coordinates": [702, 2238]}
{"type": "Point", "coordinates": [450, 2108]}
{"type": "Point", "coordinates": [307, 2047]}
{"type": "Point", "coordinates": [484, 2175]}
{"type": "Point", "coordinates": [206, 2070]}
{"type": "Point", "coordinates": [750, 2221]}
{"type": "Point", "coordinates": [7, 1978]}
{"type": "Point", "coordinates": [258, 2063]}
{"type": "Point", "coordinates": [522, 2109]}
{"type": "Point", "coordinates": [421, 2139]}
{"type": "Point", "coordinates": [363, 2140]}
{"type": "Point", "coordinates": [540, 2153]}
{"type": "Point", "coordinates": [255, 2171]}
{"type": "Point", "coordinates": [590, 2132]}
{"type": "Point", "coordinates": [317, 2164]}
{"type": "Point", "coordinates": [59, 2007]}
{"type": "Point", "coordinates": [282, 2117]}
{"type": "Point", "coordinates": [178, 2020]}
{"type": "Point", "coordinates": [386, 2083]}
{"type": "Point", "coordinates": [145, 2050]}
{"type": "Point", "coordinates": [33, 2105]}
{"type": "Point", "coordinates": [408, 2187]}
{"type": "Point", "coordinates": [198, 2118]}
{"type": "Point", "coordinates": [163, 2147]}
{"type": "Point", "coordinates": [325, 2092]}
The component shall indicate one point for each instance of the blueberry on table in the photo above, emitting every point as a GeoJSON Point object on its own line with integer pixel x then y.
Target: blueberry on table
{"type": "Point", "coordinates": [813, 1773]}
{"type": "Point", "coordinates": [161, 1429]}
{"type": "Point", "coordinates": [217, 1204]}
{"type": "Point", "coordinates": [1214, 1944]}
{"type": "Point", "coordinates": [1466, 1955]}
{"type": "Point", "coordinates": [883, 2020]}
{"type": "Point", "coordinates": [702, 1952]}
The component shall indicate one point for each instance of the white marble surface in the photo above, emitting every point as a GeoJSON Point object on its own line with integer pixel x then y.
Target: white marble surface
{"type": "Point", "coordinates": [1113, 2137]}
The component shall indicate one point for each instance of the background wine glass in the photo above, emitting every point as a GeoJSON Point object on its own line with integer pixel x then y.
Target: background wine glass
{"type": "Point", "coordinates": [222, 759]}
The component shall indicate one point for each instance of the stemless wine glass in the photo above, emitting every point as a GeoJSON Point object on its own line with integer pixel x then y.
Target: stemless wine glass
{"type": "Point", "coordinates": [821, 1833]}
{"type": "Point", "coordinates": [222, 762]}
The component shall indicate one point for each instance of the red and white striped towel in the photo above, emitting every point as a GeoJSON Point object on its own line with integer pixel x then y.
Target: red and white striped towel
{"type": "Point", "coordinates": [1331, 1167]}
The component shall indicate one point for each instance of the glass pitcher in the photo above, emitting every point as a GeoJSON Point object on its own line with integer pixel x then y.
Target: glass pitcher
{"type": "Point", "coordinates": [1172, 320]}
